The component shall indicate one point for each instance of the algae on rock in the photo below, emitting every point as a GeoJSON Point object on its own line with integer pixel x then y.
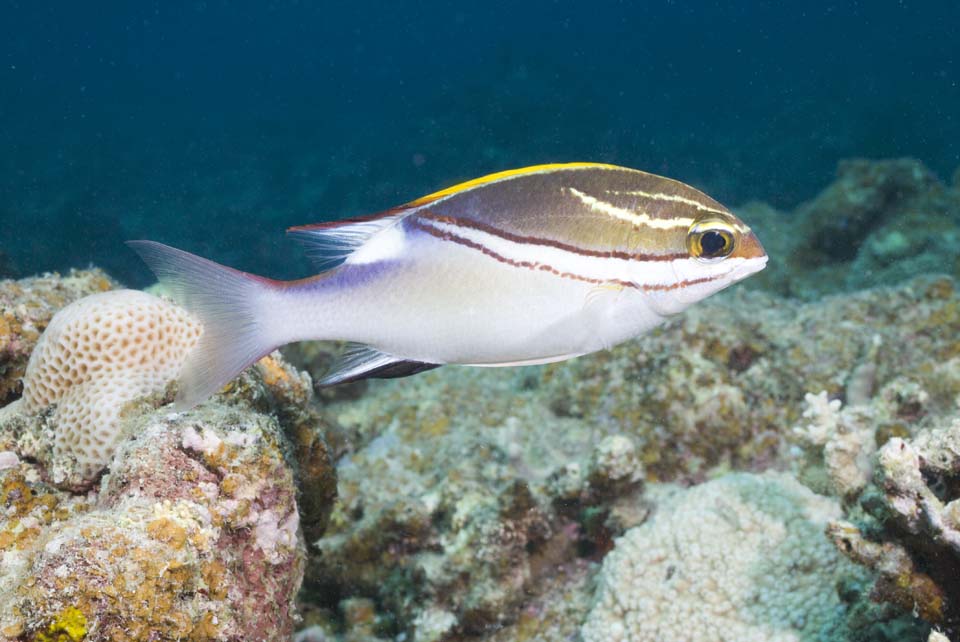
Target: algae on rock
{"type": "Point", "coordinates": [193, 531]}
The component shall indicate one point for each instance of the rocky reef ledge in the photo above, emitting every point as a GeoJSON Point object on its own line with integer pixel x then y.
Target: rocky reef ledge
{"type": "Point", "coordinates": [188, 528]}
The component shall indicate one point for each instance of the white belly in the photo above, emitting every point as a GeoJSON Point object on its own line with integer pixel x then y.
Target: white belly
{"type": "Point", "coordinates": [446, 303]}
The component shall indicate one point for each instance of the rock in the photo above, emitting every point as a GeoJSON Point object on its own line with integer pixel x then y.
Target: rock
{"type": "Point", "coordinates": [194, 533]}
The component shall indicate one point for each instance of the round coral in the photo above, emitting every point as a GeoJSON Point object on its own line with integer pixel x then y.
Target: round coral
{"type": "Point", "coordinates": [97, 355]}
{"type": "Point", "coordinates": [742, 557]}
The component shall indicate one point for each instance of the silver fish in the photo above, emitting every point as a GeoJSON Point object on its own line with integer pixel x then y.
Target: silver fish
{"type": "Point", "coordinates": [522, 267]}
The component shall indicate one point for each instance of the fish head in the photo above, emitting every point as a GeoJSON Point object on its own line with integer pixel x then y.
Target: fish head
{"type": "Point", "coordinates": [713, 252]}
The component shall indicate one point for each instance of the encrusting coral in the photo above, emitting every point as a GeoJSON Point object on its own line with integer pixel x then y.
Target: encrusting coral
{"type": "Point", "coordinates": [741, 557]}
{"type": "Point", "coordinates": [194, 534]}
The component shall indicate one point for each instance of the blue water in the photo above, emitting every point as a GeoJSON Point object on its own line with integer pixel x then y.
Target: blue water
{"type": "Point", "coordinates": [214, 125]}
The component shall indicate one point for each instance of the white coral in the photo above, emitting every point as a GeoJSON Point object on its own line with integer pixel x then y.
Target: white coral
{"type": "Point", "coordinates": [740, 558]}
{"type": "Point", "coordinates": [844, 438]}
{"type": "Point", "coordinates": [97, 355]}
{"type": "Point", "coordinates": [823, 415]}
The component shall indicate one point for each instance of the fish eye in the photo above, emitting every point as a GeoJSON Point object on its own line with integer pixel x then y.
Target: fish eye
{"type": "Point", "coordinates": [710, 240]}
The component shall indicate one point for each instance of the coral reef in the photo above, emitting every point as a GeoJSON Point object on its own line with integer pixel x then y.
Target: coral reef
{"type": "Point", "coordinates": [464, 493]}
{"type": "Point", "coordinates": [487, 504]}
{"type": "Point", "coordinates": [879, 223]}
{"type": "Point", "coordinates": [26, 307]}
{"type": "Point", "coordinates": [194, 531]}
{"type": "Point", "coordinates": [739, 557]}
{"type": "Point", "coordinates": [907, 525]}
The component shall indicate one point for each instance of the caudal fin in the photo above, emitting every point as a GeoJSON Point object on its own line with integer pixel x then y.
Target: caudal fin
{"type": "Point", "coordinates": [229, 304]}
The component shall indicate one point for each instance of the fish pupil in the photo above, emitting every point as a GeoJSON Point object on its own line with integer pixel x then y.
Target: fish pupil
{"type": "Point", "coordinates": [712, 243]}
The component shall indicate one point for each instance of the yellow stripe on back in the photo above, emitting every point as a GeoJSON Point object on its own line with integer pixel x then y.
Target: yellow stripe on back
{"type": "Point", "coordinates": [510, 173]}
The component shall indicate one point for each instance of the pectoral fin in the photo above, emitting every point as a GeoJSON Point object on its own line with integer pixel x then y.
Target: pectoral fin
{"type": "Point", "coordinates": [363, 362]}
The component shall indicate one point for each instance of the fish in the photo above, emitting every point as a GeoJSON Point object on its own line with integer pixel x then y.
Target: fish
{"type": "Point", "coordinates": [521, 267]}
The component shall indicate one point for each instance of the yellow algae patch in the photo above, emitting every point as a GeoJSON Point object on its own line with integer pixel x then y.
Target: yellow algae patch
{"type": "Point", "coordinates": [21, 504]}
{"type": "Point", "coordinates": [273, 372]}
{"type": "Point", "coordinates": [166, 530]}
{"type": "Point", "coordinates": [69, 626]}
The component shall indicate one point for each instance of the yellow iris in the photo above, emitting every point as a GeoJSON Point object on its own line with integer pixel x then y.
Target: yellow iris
{"type": "Point", "coordinates": [711, 239]}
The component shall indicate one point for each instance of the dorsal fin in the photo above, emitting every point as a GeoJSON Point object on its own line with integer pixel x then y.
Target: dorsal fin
{"type": "Point", "coordinates": [329, 244]}
{"type": "Point", "coordinates": [363, 362]}
{"type": "Point", "coordinates": [499, 176]}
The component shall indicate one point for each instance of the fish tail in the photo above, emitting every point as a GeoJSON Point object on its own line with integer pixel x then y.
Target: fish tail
{"type": "Point", "coordinates": [230, 305]}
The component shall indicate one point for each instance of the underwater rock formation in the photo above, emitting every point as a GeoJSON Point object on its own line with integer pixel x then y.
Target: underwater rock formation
{"type": "Point", "coordinates": [879, 223]}
{"type": "Point", "coordinates": [741, 557]}
{"type": "Point", "coordinates": [26, 307]}
{"type": "Point", "coordinates": [194, 531]}
{"type": "Point", "coordinates": [907, 525]}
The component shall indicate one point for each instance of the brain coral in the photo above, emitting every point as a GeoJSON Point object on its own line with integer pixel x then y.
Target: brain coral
{"type": "Point", "coordinates": [742, 557]}
{"type": "Point", "coordinates": [97, 355]}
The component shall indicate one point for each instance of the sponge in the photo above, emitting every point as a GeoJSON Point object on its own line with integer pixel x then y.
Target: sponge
{"type": "Point", "coordinates": [97, 355]}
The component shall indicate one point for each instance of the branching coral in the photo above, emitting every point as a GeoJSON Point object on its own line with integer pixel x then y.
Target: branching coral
{"type": "Point", "coordinates": [912, 535]}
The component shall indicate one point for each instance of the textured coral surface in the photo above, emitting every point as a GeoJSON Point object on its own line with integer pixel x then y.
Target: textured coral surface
{"type": "Point", "coordinates": [26, 307]}
{"type": "Point", "coordinates": [194, 531]}
{"type": "Point", "coordinates": [97, 355]}
{"type": "Point", "coordinates": [741, 557]}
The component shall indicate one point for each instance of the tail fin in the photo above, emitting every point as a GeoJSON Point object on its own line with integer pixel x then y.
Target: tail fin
{"type": "Point", "coordinates": [226, 302]}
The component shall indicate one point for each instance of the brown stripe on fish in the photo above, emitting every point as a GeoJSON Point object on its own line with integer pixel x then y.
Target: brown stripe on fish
{"type": "Point", "coordinates": [595, 270]}
{"type": "Point", "coordinates": [533, 240]}
{"type": "Point", "coordinates": [546, 205]}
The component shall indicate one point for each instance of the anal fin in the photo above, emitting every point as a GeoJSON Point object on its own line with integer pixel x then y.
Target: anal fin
{"type": "Point", "coordinates": [363, 362]}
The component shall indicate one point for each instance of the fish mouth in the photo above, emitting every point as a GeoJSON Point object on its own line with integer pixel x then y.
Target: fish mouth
{"type": "Point", "coordinates": [748, 267]}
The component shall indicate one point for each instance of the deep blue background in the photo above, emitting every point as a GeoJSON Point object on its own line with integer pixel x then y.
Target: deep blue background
{"type": "Point", "coordinates": [213, 125]}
